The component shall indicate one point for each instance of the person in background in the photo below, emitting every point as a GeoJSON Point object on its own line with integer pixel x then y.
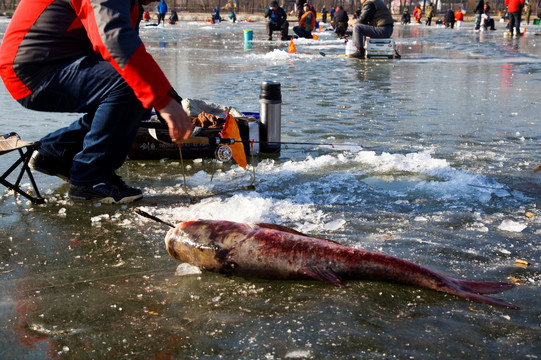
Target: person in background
{"type": "Point", "coordinates": [449, 19]}
{"type": "Point", "coordinates": [486, 20]}
{"type": "Point", "coordinates": [514, 8]}
{"type": "Point", "coordinates": [357, 13]}
{"type": "Point", "coordinates": [232, 16]}
{"type": "Point", "coordinates": [375, 21]}
{"type": "Point", "coordinates": [60, 57]}
{"type": "Point", "coordinates": [406, 18]}
{"type": "Point", "coordinates": [417, 13]}
{"type": "Point", "coordinates": [216, 18]}
{"type": "Point", "coordinates": [527, 11]}
{"type": "Point", "coordinates": [299, 8]}
{"type": "Point", "coordinates": [459, 18]}
{"type": "Point", "coordinates": [430, 13]}
{"type": "Point", "coordinates": [277, 20]}
{"type": "Point", "coordinates": [312, 9]}
{"type": "Point", "coordinates": [162, 10]}
{"type": "Point", "coordinates": [173, 18]}
{"type": "Point", "coordinates": [331, 13]}
{"type": "Point", "coordinates": [146, 16]}
{"type": "Point", "coordinates": [479, 9]}
{"type": "Point", "coordinates": [307, 23]}
{"type": "Point", "coordinates": [324, 15]}
{"type": "Point", "coordinates": [340, 21]}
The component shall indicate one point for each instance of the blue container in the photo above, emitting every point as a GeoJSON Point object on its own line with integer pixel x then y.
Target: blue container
{"type": "Point", "coordinates": [248, 35]}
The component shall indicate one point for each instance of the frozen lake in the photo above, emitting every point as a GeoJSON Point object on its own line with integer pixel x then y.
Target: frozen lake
{"type": "Point", "coordinates": [432, 160]}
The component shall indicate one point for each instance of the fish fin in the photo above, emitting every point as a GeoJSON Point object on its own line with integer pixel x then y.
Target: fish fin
{"type": "Point", "coordinates": [291, 231]}
{"type": "Point", "coordinates": [325, 275]}
{"type": "Point", "coordinates": [280, 228]}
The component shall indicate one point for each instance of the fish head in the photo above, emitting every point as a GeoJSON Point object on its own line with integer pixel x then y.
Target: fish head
{"type": "Point", "coordinates": [205, 243]}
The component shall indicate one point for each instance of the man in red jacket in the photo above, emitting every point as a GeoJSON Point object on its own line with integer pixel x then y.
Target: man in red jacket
{"type": "Point", "coordinates": [86, 56]}
{"type": "Point", "coordinates": [514, 8]}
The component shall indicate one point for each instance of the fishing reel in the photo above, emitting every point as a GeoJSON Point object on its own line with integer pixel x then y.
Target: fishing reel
{"type": "Point", "coordinates": [223, 153]}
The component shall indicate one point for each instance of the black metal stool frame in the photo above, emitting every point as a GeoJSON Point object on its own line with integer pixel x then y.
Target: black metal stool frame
{"type": "Point", "coordinates": [25, 153]}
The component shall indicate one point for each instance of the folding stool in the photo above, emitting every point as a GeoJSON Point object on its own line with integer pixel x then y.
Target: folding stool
{"type": "Point", "coordinates": [11, 142]}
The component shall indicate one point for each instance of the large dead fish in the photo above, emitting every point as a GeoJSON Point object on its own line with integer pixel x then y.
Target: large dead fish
{"type": "Point", "coordinates": [277, 252]}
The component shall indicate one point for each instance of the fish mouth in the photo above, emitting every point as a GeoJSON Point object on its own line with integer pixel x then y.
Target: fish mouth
{"type": "Point", "coordinates": [180, 236]}
{"type": "Point", "coordinates": [184, 247]}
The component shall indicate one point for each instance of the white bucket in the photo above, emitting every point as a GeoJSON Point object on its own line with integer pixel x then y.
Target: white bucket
{"type": "Point", "coordinates": [350, 48]}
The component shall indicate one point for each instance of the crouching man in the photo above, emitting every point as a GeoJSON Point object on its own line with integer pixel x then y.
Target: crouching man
{"type": "Point", "coordinates": [277, 20]}
{"type": "Point", "coordinates": [86, 57]}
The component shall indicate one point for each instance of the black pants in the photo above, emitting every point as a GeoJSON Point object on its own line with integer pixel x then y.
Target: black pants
{"type": "Point", "coordinates": [284, 28]}
{"type": "Point", "coordinates": [341, 28]}
{"type": "Point", "coordinates": [514, 22]}
{"type": "Point", "coordinates": [161, 17]}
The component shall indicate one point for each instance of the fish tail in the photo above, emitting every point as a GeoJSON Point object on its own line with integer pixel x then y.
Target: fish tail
{"type": "Point", "coordinates": [483, 287]}
{"type": "Point", "coordinates": [475, 290]}
{"type": "Point", "coordinates": [485, 299]}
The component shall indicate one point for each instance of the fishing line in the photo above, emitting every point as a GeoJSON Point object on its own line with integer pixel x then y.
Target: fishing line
{"type": "Point", "coordinates": [297, 143]}
{"type": "Point", "coordinates": [252, 186]}
{"type": "Point", "coordinates": [193, 199]}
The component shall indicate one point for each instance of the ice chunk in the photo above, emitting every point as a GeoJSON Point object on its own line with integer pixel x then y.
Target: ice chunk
{"type": "Point", "coordinates": [187, 269]}
{"type": "Point", "coordinates": [510, 225]}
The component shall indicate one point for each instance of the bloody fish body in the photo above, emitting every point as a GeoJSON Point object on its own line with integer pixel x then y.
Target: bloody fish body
{"type": "Point", "coordinates": [277, 252]}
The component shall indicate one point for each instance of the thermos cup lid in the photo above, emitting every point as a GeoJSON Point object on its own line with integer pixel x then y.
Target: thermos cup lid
{"type": "Point", "coordinates": [270, 90]}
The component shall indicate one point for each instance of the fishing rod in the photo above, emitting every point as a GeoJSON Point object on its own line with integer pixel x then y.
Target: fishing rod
{"type": "Point", "coordinates": [152, 217]}
{"type": "Point", "coordinates": [216, 140]}
{"type": "Point", "coordinates": [231, 141]}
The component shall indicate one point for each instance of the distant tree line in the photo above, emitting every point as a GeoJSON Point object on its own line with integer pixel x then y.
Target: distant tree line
{"type": "Point", "coordinates": [259, 6]}
{"type": "Point", "coordinates": [8, 4]}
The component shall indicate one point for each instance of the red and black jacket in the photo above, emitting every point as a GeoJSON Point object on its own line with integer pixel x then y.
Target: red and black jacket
{"type": "Point", "coordinates": [43, 34]}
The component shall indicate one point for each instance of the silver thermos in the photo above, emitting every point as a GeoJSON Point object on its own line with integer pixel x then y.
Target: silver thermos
{"type": "Point", "coordinates": [270, 114]}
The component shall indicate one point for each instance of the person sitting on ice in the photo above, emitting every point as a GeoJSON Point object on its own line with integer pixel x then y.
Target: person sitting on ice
{"type": "Point", "coordinates": [307, 23]}
{"type": "Point", "coordinates": [173, 19]}
{"type": "Point", "coordinates": [146, 16]}
{"type": "Point", "coordinates": [277, 20]}
{"type": "Point", "coordinates": [486, 20]}
{"type": "Point", "coordinates": [340, 21]}
{"type": "Point", "coordinates": [216, 18]}
{"type": "Point", "coordinates": [375, 21]}
{"type": "Point", "coordinates": [406, 18]}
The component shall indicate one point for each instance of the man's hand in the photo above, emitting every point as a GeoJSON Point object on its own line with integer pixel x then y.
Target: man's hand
{"type": "Point", "coordinates": [180, 125]}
